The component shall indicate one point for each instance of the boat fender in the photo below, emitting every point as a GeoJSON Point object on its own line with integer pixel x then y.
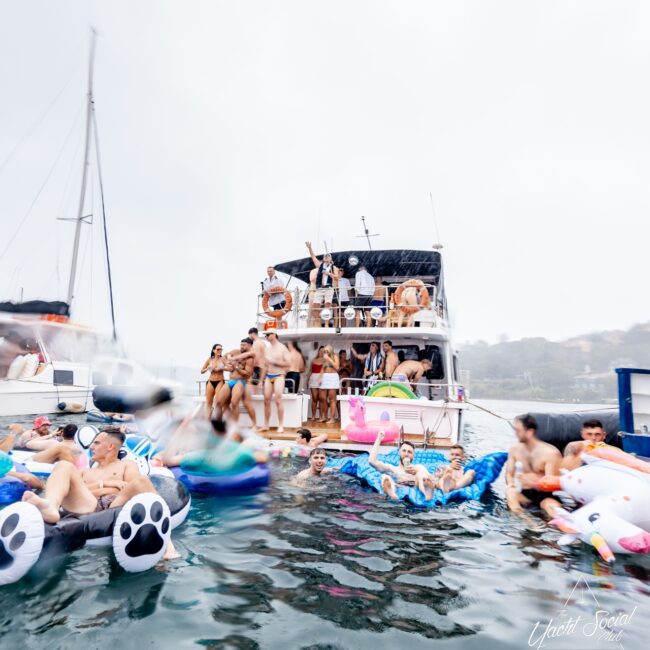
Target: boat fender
{"type": "Point", "coordinates": [71, 407]}
{"type": "Point", "coordinates": [129, 399]}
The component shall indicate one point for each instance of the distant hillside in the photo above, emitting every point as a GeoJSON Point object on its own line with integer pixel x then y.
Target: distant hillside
{"type": "Point", "coordinates": [579, 369]}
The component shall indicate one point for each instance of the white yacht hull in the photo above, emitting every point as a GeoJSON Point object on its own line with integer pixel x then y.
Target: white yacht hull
{"type": "Point", "coordinates": [18, 397]}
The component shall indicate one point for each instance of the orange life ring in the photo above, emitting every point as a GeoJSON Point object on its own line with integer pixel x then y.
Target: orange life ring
{"type": "Point", "coordinates": [277, 313]}
{"type": "Point", "coordinates": [425, 298]}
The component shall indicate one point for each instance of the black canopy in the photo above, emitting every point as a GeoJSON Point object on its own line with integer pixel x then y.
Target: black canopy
{"type": "Point", "coordinates": [36, 307]}
{"type": "Point", "coordinates": [396, 263]}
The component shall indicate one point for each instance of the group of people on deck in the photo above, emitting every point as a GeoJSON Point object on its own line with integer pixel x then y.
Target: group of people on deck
{"type": "Point", "coordinates": [330, 289]}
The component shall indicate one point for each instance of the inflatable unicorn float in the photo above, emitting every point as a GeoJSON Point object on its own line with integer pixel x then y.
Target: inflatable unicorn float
{"type": "Point", "coordinates": [614, 488]}
{"type": "Point", "coordinates": [361, 431]}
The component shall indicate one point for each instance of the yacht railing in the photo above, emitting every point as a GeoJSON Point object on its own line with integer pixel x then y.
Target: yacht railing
{"type": "Point", "coordinates": [429, 390]}
{"type": "Point", "coordinates": [385, 312]}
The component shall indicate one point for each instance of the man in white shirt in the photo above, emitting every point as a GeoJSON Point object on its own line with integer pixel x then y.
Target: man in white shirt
{"type": "Point", "coordinates": [327, 275]}
{"type": "Point", "coordinates": [342, 298]}
{"type": "Point", "coordinates": [272, 281]}
{"type": "Point", "coordinates": [364, 287]}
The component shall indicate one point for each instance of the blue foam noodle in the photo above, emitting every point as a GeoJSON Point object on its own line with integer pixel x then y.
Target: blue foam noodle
{"type": "Point", "coordinates": [487, 470]}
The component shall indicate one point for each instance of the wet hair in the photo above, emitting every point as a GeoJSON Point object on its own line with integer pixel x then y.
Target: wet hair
{"type": "Point", "coordinates": [317, 450]}
{"type": "Point", "coordinates": [219, 425]}
{"type": "Point", "coordinates": [68, 431]}
{"type": "Point", "coordinates": [253, 330]}
{"type": "Point", "coordinates": [216, 345]}
{"type": "Point", "coordinates": [593, 424]}
{"type": "Point", "coordinates": [527, 421]}
{"type": "Point", "coordinates": [458, 447]}
{"type": "Point", "coordinates": [409, 443]}
{"type": "Point", "coordinates": [304, 433]}
{"type": "Point", "coordinates": [248, 340]}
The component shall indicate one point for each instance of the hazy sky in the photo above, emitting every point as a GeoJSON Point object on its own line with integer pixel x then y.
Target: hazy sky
{"type": "Point", "coordinates": [233, 131]}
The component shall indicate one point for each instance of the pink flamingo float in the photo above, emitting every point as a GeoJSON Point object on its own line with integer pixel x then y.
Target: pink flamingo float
{"type": "Point", "coordinates": [361, 431]}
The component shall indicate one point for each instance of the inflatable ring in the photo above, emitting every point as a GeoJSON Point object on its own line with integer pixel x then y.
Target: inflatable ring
{"type": "Point", "coordinates": [252, 479]}
{"type": "Point", "coordinates": [391, 389]}
{"type": "Point", "coordinates": [425, 299]}
{"type": "Point", "coordinates": [277, 313]}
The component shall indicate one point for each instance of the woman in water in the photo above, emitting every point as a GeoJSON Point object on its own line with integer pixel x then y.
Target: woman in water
{"type": "Point", "coordinates": [313, 383]}
{"type": "Point", "coordinates": [296, 368]}
{"type": "Point", "coordinates": [215, 365]}
{"type": "Point", "coordinates": [329, 385]}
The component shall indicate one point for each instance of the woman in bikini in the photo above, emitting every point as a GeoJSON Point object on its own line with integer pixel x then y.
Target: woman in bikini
{"type": "Point", "coordinates": [313, 383]}
{"type": "Point", "coordinates": [329, 385]}
{"type": "Point", "coordinates": [215, 365]}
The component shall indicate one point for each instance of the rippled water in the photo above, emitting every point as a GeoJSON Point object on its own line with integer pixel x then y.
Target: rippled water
{"type": "Point", "coordinates": [337, 566]}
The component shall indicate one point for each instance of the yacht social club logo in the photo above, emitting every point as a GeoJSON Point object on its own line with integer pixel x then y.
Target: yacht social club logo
{"type": "Point", "coordinates": [598, 629]}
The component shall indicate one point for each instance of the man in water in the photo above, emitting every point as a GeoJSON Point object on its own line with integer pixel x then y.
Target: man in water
{"type": "Point", "coordinates": [259, 352]}
{"type": "Point", "coordinates": [327, 275]}
{"type": "Point", "coordinates": [67, 449]}
{"type": "Point", "coordinates": [40, 437]}
{"type": "Point", "coordinates": [593, 434]}
{"type": "Point", "coordinates": [305, 437]}
{"type": "Point", "coordinates": [453, 477]}
{"type": "Point", "coordinates": [317, 462]}
{"type": "Point", "coordinates": [536, 459]}
{"type": "Point", "coordinates": [278, 361]}
{"type": "Point", "coordinates": [391, 359]}
{"type": "Point", "coordinates": [411, 371]}
{"type": "Point", "coordinates": [405, 473]}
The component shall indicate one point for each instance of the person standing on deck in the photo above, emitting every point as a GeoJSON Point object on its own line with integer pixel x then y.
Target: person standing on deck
{"type": "Point", "coordinates": [364, 289]}
{"type": "Point", "coordinates": [373, 364]}
{"type": "Point", "coordinates": [411, 371]}
{"type": "Point", "coordinates": [278, 361]}
{"type": "Point", "coordinates": [392, 360]}
{"type": "Point", "coordinates": [272, 281]}
{"type": "Point", "coordinates": [296, 368]}
{"type": "Point", "coordinates": [327, 276]}
{"type": "Point", "coordinates": [343, 288]}
{"type": "Point", "coordinates": [329, 385]}
{"type": "Point", "coordinates": [259, 350]}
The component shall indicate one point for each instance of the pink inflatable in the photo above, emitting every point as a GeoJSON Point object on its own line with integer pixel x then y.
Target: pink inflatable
{"type": "Point", "coordinates": [361, 431]}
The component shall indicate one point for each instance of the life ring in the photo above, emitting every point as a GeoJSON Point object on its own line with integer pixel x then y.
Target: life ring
{"type": "Point", "coordinates": [425, 299]}
{"type": "Point", "coordinates": [277, 313]}
{"type": "Point", "coordinates": [247, 481]}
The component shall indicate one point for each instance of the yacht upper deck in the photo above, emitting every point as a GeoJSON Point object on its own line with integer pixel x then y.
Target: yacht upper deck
{"type": "Point", "coordinates": [408, 294]}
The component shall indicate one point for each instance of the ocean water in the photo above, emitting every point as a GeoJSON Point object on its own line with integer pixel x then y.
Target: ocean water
{"type": "Point", "coordinates": [338, 566]}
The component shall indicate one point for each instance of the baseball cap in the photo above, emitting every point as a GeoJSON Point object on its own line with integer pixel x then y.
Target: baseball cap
{"type": "Point", "coordinates": [40, 421]}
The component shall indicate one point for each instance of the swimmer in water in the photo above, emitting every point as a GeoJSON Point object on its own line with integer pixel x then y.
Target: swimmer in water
{"type": "Point", "coordinates": [317, 462]}
{"type": "Point", "coordinates": [305, 437]}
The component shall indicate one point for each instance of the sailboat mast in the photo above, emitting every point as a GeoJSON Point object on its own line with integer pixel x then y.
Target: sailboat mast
{"type": "Point", "coordinates": [84, 176]}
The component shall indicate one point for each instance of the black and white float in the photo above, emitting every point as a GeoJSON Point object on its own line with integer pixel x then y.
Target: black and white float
{"type": "Point", "coordinates": [139, 531]}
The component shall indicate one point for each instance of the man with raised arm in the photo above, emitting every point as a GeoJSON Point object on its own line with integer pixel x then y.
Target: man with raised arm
{"type": "Point", "coordinates": [327, 276]}
{"type": "Point", "coordinates": [405, 473]}
{"type": "Point", "coordinates": [278, 361]}
{"type": "Point", "coordinates": [529, 460]}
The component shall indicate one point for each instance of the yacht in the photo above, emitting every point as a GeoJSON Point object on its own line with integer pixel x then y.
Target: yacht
{"type": "Point", "coordinates": [429, 411]}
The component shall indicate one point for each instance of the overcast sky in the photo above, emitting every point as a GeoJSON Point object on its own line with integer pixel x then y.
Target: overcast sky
{"type": "Point", "coordinates": [231, 132]}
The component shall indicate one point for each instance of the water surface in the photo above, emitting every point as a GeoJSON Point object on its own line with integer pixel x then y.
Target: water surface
{"type": "Point", "coordinates": [336, 566]}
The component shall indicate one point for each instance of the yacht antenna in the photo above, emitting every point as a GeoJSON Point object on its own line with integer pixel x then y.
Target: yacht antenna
{"type": "Point", "coordinates": [438, 244]}
{"type": "Point", "coordinates": [81, 218]}
{"type": "Point", "coordinates": [366, 233]}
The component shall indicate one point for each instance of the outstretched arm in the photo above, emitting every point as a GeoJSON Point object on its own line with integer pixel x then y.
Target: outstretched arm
{"type": "Point", "coordinates": [314, 259]}
{"type": "Point", "coordinates": [372, 459]}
